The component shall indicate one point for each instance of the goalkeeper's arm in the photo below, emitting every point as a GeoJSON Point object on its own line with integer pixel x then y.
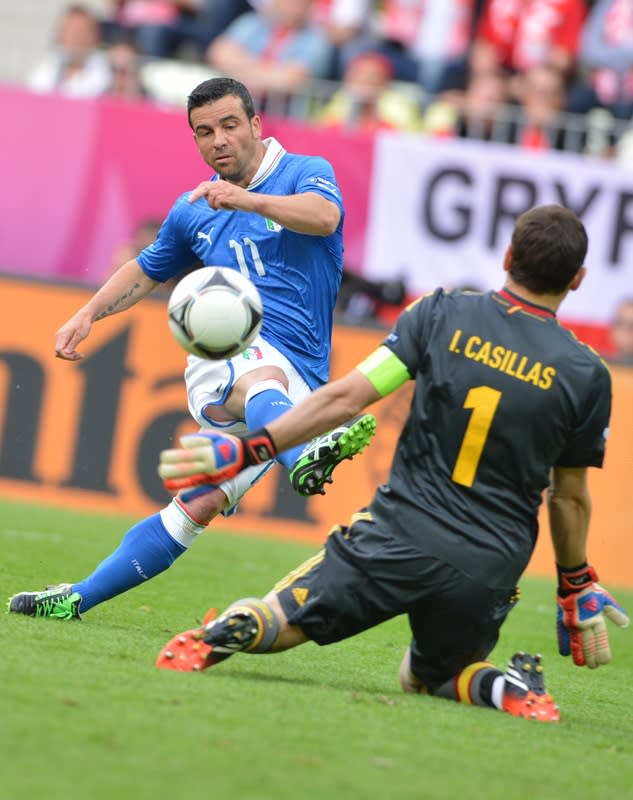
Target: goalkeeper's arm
{"type": "Point", "coordinates": [211, 458]}
{"type": "Point", "coordinates": [381, 373]}
{"type": "Point", "coordinates": [215, 457]}
{"type": "Point", "coordinates": [569, 506]}
{"type": "Point", "coordinates": [582, 602]}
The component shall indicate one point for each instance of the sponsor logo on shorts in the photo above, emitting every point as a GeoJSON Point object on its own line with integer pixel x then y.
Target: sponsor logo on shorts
{"type": "Point", "coordinates": [300, 595]}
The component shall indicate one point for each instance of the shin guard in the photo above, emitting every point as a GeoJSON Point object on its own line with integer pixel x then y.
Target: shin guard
{"type": "Point", "coordinates": [247, 626]}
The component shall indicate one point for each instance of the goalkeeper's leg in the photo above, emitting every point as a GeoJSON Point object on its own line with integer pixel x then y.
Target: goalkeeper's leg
{"type": "Point", "coordinates": [247, 626]}
{"type": "Point", "coordinates": [453, 632]}
{"type": "Point", "coordinates": [480, 684]}
{"type": "Point", "coordinates": [520, 690]}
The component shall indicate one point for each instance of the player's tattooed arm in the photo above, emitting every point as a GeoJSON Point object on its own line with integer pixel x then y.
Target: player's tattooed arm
{"type": "Point", "coordinates": [121, 291]}
{"type": "Point", "coordinates": [125, 288]}
{"type": "Point", "coordinates": [122, 302]}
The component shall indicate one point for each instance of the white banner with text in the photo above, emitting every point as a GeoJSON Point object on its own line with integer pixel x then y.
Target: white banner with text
{"type": "Point", "coordinates": [442, 212]}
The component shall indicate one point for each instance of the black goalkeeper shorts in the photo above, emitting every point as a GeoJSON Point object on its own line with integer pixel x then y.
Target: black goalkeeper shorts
{"type": "Point", "coordinates": [363, 577]}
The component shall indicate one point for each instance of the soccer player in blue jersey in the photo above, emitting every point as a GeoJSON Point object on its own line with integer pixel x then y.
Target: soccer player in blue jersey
{"type": "Point", "coordinates": [506, 404]}
{"type": "Point", "coordinates": [278, 218]}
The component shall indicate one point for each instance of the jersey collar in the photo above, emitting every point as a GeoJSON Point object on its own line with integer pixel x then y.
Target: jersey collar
{"type": "Point", "coordinates": [519, 302]}
{"type": "Point", "coordinates": [272, 156]}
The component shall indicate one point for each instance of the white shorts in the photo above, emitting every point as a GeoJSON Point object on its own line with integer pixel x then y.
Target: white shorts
{"type": "Point", "coordinates": [209, 383]}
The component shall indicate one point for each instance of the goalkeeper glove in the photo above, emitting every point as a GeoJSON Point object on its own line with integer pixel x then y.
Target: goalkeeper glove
{"type": "Point", "coordinates": [211, 458]}
{"type": "Point", "coordinates": [582, 607]}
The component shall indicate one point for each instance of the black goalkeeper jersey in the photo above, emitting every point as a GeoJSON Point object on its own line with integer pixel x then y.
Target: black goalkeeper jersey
{"type": "Point", "coordinates": [503, 393]}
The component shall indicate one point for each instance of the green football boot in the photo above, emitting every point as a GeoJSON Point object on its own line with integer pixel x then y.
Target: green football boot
{"type": "Point", "coordinates": [56, 602]}
{"type": "Point", "coordinates": [322, 455]}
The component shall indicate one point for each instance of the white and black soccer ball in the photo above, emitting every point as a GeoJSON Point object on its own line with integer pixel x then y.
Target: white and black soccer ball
{"type": "Point", "coordinates": [215, 312]}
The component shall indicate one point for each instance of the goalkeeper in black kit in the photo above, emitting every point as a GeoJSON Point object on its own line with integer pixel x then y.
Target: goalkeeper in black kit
{"type": "Point", "coordinates": [506, 404]}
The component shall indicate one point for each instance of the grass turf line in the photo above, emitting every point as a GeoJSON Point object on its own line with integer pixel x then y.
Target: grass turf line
{"type": "Point", "coordinates": [85, 712]}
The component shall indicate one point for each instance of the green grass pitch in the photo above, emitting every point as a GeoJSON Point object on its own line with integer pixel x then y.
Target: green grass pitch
{"type": "Point", "coordinates": [85, 714]}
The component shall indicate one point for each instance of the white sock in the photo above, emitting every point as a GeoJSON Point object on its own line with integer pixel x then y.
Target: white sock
{"type": "Point", "coordinates": [179, 525]}
{"type": "Point", "coordinates": [496, 693]}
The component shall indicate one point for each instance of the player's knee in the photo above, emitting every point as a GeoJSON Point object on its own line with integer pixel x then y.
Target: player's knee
{"type": "Point", "coordinates": [274, 384]}
{"type": "Point", "coordinates": [253, 383]}
{"type": "Point", "coordinates": [204, 507]}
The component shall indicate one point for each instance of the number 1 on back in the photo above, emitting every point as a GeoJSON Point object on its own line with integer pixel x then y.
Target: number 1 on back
{"type": "Point", "coordinates": [484, 401]}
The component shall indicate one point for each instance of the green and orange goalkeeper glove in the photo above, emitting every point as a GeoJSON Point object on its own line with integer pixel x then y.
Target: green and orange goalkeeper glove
{"type": "Point", "coordinates": [211, 458]}
{"type": "Point", "coordinates": [582, 607]}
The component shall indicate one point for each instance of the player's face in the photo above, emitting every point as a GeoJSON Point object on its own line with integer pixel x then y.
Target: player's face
{"type": "Point", "coordinates": [228, 140]}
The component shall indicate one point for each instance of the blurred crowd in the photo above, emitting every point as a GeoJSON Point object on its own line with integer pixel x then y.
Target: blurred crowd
{"type": "Point", "coordinates": [621, 332]}
{"type": "Point", "coordinates": [543, 74]}
{"type": "Point", "coordinates": [540, 74]}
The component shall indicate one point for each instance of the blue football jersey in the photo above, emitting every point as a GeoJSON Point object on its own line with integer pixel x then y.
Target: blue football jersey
{"type": "Point", "coordinates": [298, 276]}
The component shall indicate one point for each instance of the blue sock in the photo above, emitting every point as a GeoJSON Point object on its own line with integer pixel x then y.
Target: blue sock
{"type": "Point", "coordinates": [145, 551]}
{"type": "Point", "coordinates": [264, 408]}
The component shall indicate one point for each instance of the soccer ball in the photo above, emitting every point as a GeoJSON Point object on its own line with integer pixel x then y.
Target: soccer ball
{"type": "Point", "coordinates": [215, 312]}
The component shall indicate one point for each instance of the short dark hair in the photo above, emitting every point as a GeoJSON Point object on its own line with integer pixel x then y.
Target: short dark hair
{"type": "Point", "coordinates": [214, 89]}
{"type": "Point", "coordinates": [549, 245]}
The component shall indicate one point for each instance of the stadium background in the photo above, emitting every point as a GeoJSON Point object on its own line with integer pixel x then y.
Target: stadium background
{"type": "Point", "coordinates": [78, 178]}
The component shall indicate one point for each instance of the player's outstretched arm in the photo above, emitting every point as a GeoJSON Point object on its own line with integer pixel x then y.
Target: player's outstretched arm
{"type": "Point", "coordinates": [127, 286]}
{"type": "Point", "coordinates": [582, 603]}
{"type": "Point", "coordinates": [212, 457]}
{"type": "Point", "coordinates": [215, 457]}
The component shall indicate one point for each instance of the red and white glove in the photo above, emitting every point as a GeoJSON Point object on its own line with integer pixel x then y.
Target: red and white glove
{"type": "Point", "coordinates": [582, 607]}
{"type": "Point", "coordinates": [211, 458]}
